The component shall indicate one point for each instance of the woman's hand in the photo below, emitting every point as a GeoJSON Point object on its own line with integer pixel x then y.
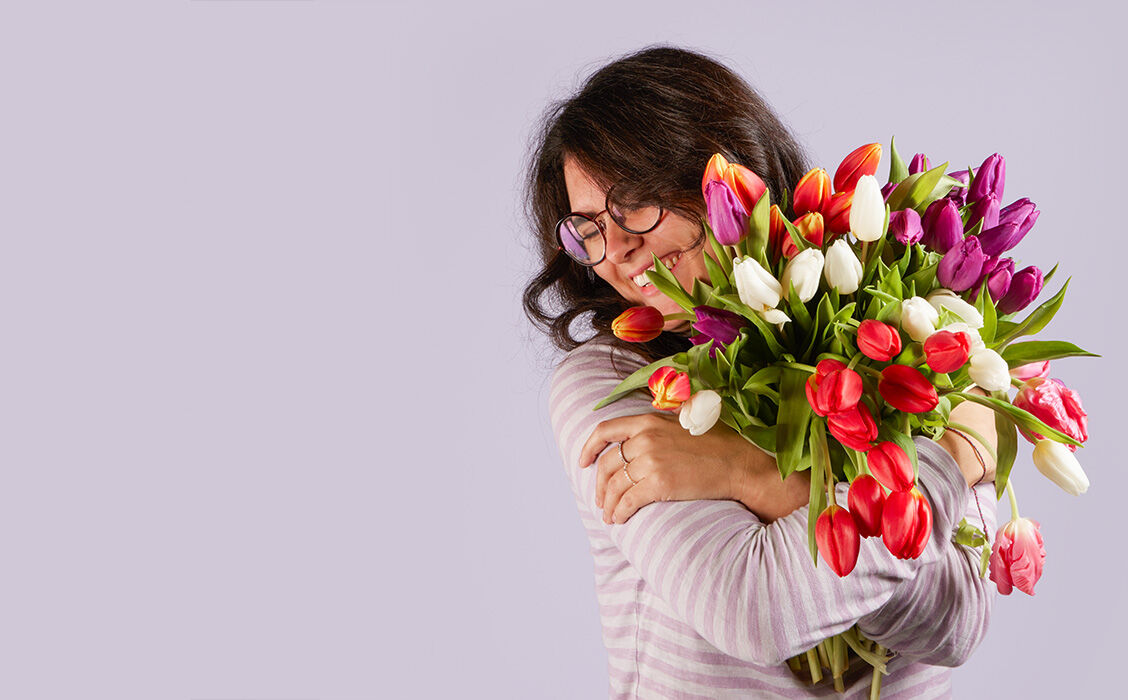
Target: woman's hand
{"type": "Point", "coordinates": [666, 463]}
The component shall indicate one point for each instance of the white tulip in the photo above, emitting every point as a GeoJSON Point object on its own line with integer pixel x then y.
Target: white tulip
{"type": "Point", "coordinates": [803, 271]}
{"type": "Point", "coordinates": [972, 334]}
{"type": "Point", "coordinates": [1061, 467]}
{"type": "Point", "coordinates": [843, 270]}
{"type": "Point", "coordinates": [989, 370]}
{"type": "Point", "coordinates": [700, 412]}
{"type": "Point", "coordinates": [755, 285]}
{"type": "Point", "coordinates": [867, 210]}
{"type": "Point", "coordinates": [947, 299]}
{"type": "Point", "coordinates": [918, 318]}
{"type": "Point", "coordinates": [775, 316]}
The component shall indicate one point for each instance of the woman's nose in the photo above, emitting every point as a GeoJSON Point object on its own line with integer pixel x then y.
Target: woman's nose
{"type": "Point", "coordinates": [621, 245]}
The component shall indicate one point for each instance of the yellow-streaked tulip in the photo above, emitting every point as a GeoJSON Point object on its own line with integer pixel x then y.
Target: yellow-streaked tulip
{"type": "Point", "coordinates": [745, 184]}
{"type": "Point", "coordinates": [861, 161]}
{"type": "Point", "coordinates": [812, 193]}
{"type": "Point", "coordinates": [638, 324]}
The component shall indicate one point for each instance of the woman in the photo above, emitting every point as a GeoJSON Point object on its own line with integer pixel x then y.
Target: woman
{"type": "Point", "coordinates": [710, 588]}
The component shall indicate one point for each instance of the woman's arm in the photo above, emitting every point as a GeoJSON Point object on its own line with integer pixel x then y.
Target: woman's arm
{"type": "Point", "coordinates": [749, 589]}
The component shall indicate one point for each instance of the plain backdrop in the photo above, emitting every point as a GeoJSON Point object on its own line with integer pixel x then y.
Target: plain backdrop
{"type": "Point", "coordinates": [273, 423]}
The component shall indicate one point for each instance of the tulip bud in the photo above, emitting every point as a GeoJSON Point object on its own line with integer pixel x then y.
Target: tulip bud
{"type": "Point", "coordinates": [891, 466]}
{"type": "Point", "coordinates": [947, 299]}
{"type": "Point", "coordinates": [833, 388]}
{"type": "Point", "coordinates": [838, 213]}
{"type": "Point", "coordinates": [810, 226]}
{"type": "Point", "coordinates": [946, 351]}
{"type": "Point", "coordinates": [999, 239]}
{"type": "Point", "coordinates": [812, 193]}
{"type": "Point", "coordinates": [972, 334]}
{"type": "Point", "coordinates": [959, 192]}
{"type": "Point", "coordinates": [700, 412]}
{"type": "Point", "coordinates": [867, 211]}
{"type": "Point", "coordinates": [854, 427]}
{"type": "Point", "coordinates": [878, 341]}
{"type": "Point", "coordinates": [962, 265]}
{"type": "Point", "coordinates": [837, 538]}
{"type": "Point", "coordinates": [943, 227]}
{"type": "Point", "coordinates": [755, 286]}
{"type": "Point", "coordinates": [717, 324]}
{"type": "Point", "coordinates": [1024, 288]}
{"type": "Point", "coordinates": [746, 184]}
{"type": "Point", "coordinates": [906, 389]}
{"type": "Point", "coordinates": [1056, 405]}
{"type": "Point", "coordinates": [714, 171]}
{"type": "Point", "coordinates": [999, 277]}
{"type": "Point", "coordinates": [804, 272]}
{"type": "Point", "coordinates": [905, 226]}
{"type": "Point", "coordinates": [989, 370]}
{"type": "Point", "coordinates": [842, 270]}
{"type": "Point", "coordinates": [866, 499]}
{"type": "Point", "coordinates": [918, 318]}
{"type": "Point", "coordinates": [861, 161]}
{"type": "Point", "coordinates": [985, 210]}
{"type": "Point", "coordinates": [774, 316]}
{"type": "Point", "coordinates": [777, 232]}
{"type": "Point", "coordinates": [906, 523]}
{"type": "Point", "coordinates": [1031, 370]}
{"type": "Point", "coordinates": [669, 387]}
{"type": "Point", "coordinates": [726, 214]}
{"type": "Point", "coordinates": [638, 324]}
{"type": "Point", "coordinates": [887, 189]}
{"type": "Point", "coordinates": [1017, 556]}
{"type": "Point", "coordinates": [1059, 465]}
{"type": "Point", "coordinates": [989, 179]}
{"type": "Point", "coordinates": [1022, 212]}
{"type": "Point", "coordinates": [918, 164]}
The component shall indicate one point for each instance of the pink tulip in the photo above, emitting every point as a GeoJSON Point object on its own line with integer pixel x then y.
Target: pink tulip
{"type": "Point", "coordinates": [1056, 405]}
{"type": "Point", "coordinates": [1017, 556]}
{"type": "Point", "coordinates": [1034, 369]}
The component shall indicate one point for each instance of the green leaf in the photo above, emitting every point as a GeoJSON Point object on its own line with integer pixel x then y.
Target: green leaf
{"type": "Point", "coordinates": [761, 436]}
{"type": "Point", "coordinates": [918, 195]}
{"type": "Point", "coordinates": [799, 313]}
{"type": "Point", "coordinates": [898, 171]}
{"type": "Point", "coordinates": [759, 223]}
{"type": "Point", "coordinates": [925, 278]}
{"type": "Point", "coordinates": [1007, 449]}
{"type": "Point", "coordinates": [637, 380]}
{"type": "Point", "coordinates": [969, 535]}
{"type": "Point", "coordinates": [1038, 319]}
{"type": "Point", "coordinates": [1049, 276]}
{"type": "Point", "coordinates": [767, 330]}
{"type": "Point", "coordinates": [1018, 354]}
{"type": "Point", "coordinates": [765, 378]}
{"type": "Point", "coordinates": [1023, 418]}
{"type": "Point", "coordinates": [664, 280]}
{"type": "Point", "coordinates": [792, 420]}
{"type": "Point", "coordinates": [990, 317]}
{"type": "Point", "coordinates": [723, 258]}
{"type": "Point", "coordinates": [820, 462]}
{"type": "Point", "coordinates": [717, 275]}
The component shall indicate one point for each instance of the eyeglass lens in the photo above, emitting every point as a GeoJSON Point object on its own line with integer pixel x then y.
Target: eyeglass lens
{"type": "Point", "coordinates": [583, 240]}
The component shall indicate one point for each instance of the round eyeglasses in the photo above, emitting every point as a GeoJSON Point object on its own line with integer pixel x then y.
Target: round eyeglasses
{"type": "Point", "coordinates": [584, 238]}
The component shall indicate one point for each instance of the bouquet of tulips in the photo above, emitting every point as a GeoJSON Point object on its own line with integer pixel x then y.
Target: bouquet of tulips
{"type": "Point", "coordinates": [831, 339]}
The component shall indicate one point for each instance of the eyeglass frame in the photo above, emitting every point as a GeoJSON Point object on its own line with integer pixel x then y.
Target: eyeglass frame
{"type": "Point", "coordinates": [602, 231]}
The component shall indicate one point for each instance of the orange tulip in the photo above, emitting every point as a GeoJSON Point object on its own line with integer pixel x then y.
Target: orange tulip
{"type": "Point", "coordinates": [669, 387]}
{"type": "Point", "coordinates": [812, 193]}
{"type": "Point", "coordinates": [838, 213]}
{"type": "Point", "coordinates": [777, 232]}
{"type": "Point", "coordinates": [861, 161]}
{"type": "Point", "coordinates": [745, 184]}
{"type": "Point", "coordinates": [638, 324]}
{"type": "Point", "coordinates": [811, 227]}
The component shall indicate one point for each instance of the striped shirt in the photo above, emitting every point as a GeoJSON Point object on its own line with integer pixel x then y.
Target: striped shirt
{"type": "Point", "coordinates": [700, 599]}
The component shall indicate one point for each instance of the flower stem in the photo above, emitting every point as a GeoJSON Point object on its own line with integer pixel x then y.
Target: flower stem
{"type": "Point", "coordinates": [1013, 500]}
{"type": "Point", "coordinates": [813, 665]}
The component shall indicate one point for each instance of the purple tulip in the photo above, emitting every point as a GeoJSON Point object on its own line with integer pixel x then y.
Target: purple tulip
{"type": "Point", "coordinates": [727, 216]}
{"type": "Point", "coordinates": [943, 227]}
{"type": "Point", "coordinates": [887, 189]}
{"type": "Point", "coordinates": [999, 277]}
{"type": "Point", "coordinates": [716, 324]}
{"type": "Point", "coordinates": [1025, 287]}
{"type": "Point", "coordinates": [989, 178]}
{"type": "Point", "coordinates": [985, 210]}
{"type": "Point", "coordinates": [1021, 212]}
{"type": "Point", "coordinates": [918, 164]}
{"type": "Point", "coordinates": [959, 192]}
{"type": "Point", "coordinates": [905, 226]}
{"type": "Point", "coordinates": [962, 266]}
{"type": "Point", "coordinates": [1000, 239]}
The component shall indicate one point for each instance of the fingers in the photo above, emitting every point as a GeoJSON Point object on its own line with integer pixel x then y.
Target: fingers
{"type": "Point", "coordinates": [610, 431]}
{"type": "Point", "coordinates": [608, 463]}
{"type": "Point", "coordinates": [617, 485]}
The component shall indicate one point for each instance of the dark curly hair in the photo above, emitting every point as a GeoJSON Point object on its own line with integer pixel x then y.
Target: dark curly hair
{"type": "Point", "coordinates": [643, 126]}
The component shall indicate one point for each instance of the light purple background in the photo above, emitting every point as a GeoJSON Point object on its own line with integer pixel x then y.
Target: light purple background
{"type": "Point", "coordinates": [273, 423]}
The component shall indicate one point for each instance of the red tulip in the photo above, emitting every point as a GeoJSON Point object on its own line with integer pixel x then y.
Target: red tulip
{"type": "Point", "coordinates": [1056, 405]}
{"type": "Point", "coordinates": [906, 523]}
{"type": "Point", "coordinates": [638, 324]}
{"type": "Point", "coordinates": [838, 212]}
{"type": "Point", "coordinates": [745, 184]}
{"type": "Point", "coordinates": [777, 232]}
{"type": "Point", "coordinates": [878, 341]}
{"type": "Point", "coordinates": [837, 538]}
{"type": "Point", "coordinates": [866, 499]}
{"type": "Point", "coordinates": [906, 389]}
{"type": "Point", "coordinates": [861, 161]}
{"type": "Point", "coordinates": [812, 193]}
{"type": "Point", "coordinates": [811, 227]}
{"type": "Point", "coordinates": [1017, 556]}
{"type": "Point", "coordinates": [891, 466]}
{"type": "Point", "coordinates": [833, 388]}
{"type": "Point", "coordinates": [946, 351]}
{"type": "Point", "coordinates": [670, 388]}
{"type": "Point", "coordinates": [854, 428]}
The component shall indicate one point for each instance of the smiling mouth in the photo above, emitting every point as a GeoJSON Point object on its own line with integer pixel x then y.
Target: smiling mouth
{"type": "Point", "coordinates": [669, 262]}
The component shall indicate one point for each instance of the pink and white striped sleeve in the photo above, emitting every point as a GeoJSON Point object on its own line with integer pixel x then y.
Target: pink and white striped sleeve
{"type": "Point", "coordinates": [752, 590]}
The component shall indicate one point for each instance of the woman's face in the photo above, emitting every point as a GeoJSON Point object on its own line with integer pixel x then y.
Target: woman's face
{"type": "Point", "coordinates": [629, 255]}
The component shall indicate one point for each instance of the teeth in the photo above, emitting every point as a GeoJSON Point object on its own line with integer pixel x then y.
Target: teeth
{"type": "Point", "coordinates": [642, 280]}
